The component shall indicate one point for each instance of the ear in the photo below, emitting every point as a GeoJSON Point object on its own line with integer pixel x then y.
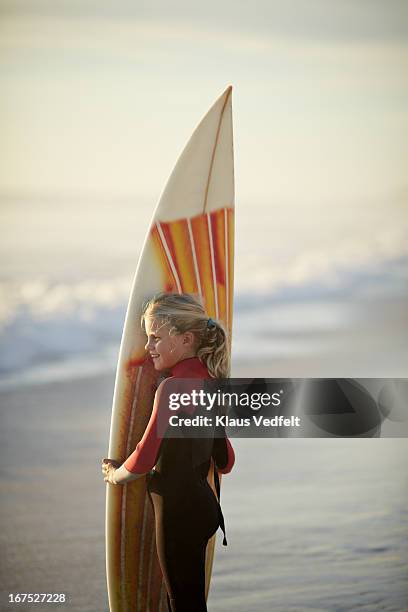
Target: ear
{"type": "Point", "coordinates": [188, 338]}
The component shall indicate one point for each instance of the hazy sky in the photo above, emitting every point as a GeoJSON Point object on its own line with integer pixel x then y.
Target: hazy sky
{"type": "Point", "coordinates": [99, 98]}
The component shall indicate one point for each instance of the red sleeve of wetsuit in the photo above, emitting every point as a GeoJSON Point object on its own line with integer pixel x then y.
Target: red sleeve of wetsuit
{"type": "Point", "coordinates": [223, 454]}
{"type": "Point", "coordinates": [231, 458]}
{"type": "Point", "coordinates": [144, 457]}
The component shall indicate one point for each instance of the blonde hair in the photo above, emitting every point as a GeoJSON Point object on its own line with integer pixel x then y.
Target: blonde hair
{"type": "Point", "coordinates": [185, 313]}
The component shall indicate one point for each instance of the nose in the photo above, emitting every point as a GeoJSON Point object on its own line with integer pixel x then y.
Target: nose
{"type": "Point", "coordinates": [147, 345]}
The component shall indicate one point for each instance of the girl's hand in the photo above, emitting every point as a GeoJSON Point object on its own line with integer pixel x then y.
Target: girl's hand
{"type": "Point", "coordinates": [109, 467]}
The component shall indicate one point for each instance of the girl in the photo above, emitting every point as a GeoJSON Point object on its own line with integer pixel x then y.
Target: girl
{"type": "Point", "coordinates": [182, 340]}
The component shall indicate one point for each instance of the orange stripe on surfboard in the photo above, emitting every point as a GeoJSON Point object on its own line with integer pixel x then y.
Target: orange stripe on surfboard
{"type": "Point", "coordinates": [193, 258]}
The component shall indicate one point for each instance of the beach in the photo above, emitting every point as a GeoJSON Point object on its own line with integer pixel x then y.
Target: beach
{"type": "Point", "coordinates": [53, 495]}
{"type": "Point", "coordinates": [312, 524]}
{"type": "Point", "coordinates": [99, 102]}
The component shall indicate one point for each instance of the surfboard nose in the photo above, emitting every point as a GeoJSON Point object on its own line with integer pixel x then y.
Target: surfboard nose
{"type": "Point", "coordinates": [203, 178]}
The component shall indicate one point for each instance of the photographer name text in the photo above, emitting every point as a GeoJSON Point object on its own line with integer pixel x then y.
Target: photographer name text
{"type": "Point", "coordinates": [226, 421]}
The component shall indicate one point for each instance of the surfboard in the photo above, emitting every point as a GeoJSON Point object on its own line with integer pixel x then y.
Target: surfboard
{"type": "Point", "coordinates": [189, 248]}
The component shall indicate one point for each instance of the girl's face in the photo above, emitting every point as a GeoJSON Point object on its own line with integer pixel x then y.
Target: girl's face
{"type": "Point", "coordinates": [166, 350]}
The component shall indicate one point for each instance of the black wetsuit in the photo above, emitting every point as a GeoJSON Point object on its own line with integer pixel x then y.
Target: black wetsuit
{"type": "Point", "coordinates": [187, 512]}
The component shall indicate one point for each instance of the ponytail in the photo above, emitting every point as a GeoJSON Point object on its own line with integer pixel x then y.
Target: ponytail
{"type": "Point", "coordinates": [214, 350]}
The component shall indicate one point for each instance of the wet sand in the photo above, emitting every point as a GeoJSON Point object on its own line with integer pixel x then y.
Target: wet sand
{"type": "Point", "coordinates": [311, 524]}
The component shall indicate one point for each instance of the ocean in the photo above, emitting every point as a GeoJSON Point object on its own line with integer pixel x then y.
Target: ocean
{"type": "Point", "coordinates": [331, 285]}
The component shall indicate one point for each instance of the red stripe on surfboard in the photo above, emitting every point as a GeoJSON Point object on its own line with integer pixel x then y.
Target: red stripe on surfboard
{"type": "Point", "coordinates": [230, 232]}
{"type": "Point", "coordinates": [199, 227]}
{"type": "Point", "coordinates": [217, 220]}
{"type": "Point", "coordinates": [218, 232]}
{"type": "Point", "coordinates": [214, 276]}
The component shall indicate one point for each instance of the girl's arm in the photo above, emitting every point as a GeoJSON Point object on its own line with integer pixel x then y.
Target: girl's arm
{"type": "Point", "coordinates": [144, 456]}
